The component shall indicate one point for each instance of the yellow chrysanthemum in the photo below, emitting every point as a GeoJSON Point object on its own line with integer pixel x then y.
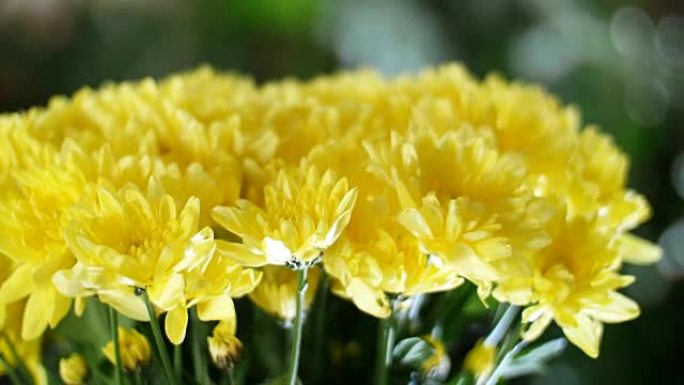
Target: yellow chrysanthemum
{"type": "Point", "coordinates": [127, 240]}
{"type": "Point", "coordinates": [303, 214]}
{"type": "Point", "coordinates": [375, 255]}
{"type": "Point", "coordinates": [367, 265]}
{"type": "Point", "coordinates": [208, 95]}
{"type": "Point", "coordinates": [479, 218]}
{"type": "Point", "coordinates": [490, 181]}
{"type": "Point", "coordinates": [32, 221]}
{"type": "Point", "coordinates": [574, 282]}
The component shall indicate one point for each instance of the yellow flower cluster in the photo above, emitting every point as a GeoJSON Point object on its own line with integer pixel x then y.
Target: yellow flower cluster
{"type": "Point", "coordinates": [190, 186]}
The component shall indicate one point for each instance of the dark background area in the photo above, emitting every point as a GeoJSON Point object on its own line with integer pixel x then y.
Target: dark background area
{"type": "Point", "coordinates": [621, 62]}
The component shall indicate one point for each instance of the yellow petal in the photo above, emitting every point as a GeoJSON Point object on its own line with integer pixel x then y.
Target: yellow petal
{"type": "Point", "coordinates": [277, 253]}
{"type": "Point", "coordinates": [168, 293]}
{"type": "Point", "coordinates": [176, 323]}
{"type": "Point", "coordinates": [167, 209]}
{"type": "Point", "coordinates": [414, 222]}
{"type": "Point", "coordinates": [537, 327]}
{"type": "Point", "coordinates": [370, 300]}
{"type": "Point", "coordinates": [18, 285]}
{"type": "Point", "coordinates": [586, 335]}
{"type": "Point", "coordinates": [60, 307]}
{"type": "Point", "coordinates": [240, 254]}
{"type": "Point", "coordinates": [638, 251]}
{"type": "Point", "coordinates": [228, 217]}
{"type": "Point", "coordinates": [3, 316]}
{"type": "Point", "coordinates": [216, 309]}
{"type": "Point", "coordinates": [344, 211]}
{"type": "Point", "coordinates": [125, 302]}
{"type": "Point", "coordinates": [190, 215]}
{"type": "Point", "coordinates": [38, 372]}
{"type": "Point", "coordinates": [620, 309]}
{"type": "Point", "coordinates": [79, 305]}
{"type": "Point", "coordinates": [36, 315]}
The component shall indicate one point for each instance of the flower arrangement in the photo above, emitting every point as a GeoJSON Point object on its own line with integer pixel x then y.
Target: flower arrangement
{"type": "Point", "coordinates": [168, 200]}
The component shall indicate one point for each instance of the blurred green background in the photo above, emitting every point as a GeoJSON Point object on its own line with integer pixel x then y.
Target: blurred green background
{"type": "Point", "coordinates": [621, 62]}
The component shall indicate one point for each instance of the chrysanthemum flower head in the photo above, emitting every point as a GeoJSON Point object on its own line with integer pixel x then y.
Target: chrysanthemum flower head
{"type": "Point", "coordinates": [303, 213]}
{"type": "Point", "coordinates": [375, 256]}
{"type": "Point", "coordinates": [476, 215]}
{"type": "Point", "coordinates": [574, 283]}
{"type": "Point", "coordinates": [126, 240]}
{"type": "Point", "coordinates": [32, 226]}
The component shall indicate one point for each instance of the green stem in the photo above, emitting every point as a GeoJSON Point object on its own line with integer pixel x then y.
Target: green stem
{"type": "Point", "coordinates": [9, 370]}
{"type": "Point", "coordinates": [319, 338]}
{"type": "Point", "coordinates": [159, 341]}
{"type": "Point", "coordinates": [22, 370]}
{"type": "Point", "coordinates": [502, 326]}
{"type": "Point", "coordinates": [199, 352]}
{"type": "Point", "coordinates": [383, 360]}
{"type": "Point", "coordinates": [114, 330]}
{"type": "Point", "coordinates": [137, 377]}
{"type": "Point", "coordinates": [297, 327]}
{"type": "Point", "coordinates": [493, 378]}
{"type": "Point", "coordinates": [228, 378]}
{"type": "Point", "coordinates": [178, 360]}
{"type": "Point", "coordinates": [231, 376]}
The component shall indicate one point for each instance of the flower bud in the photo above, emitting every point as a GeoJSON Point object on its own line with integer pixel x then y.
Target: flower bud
{"type": "Point", "coordinates": [224, 347]}
{"type": "Point", "coordinates": [480, 360]}
{"type": "Point", "coordinates": [437, 366]}
{"type": "Point", "coordinates": [134, 348]}
{"type": "Point", "coordinates": [73, 369]}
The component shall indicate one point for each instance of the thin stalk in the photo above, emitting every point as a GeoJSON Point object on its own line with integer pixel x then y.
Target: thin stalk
{"type": "Point", "coordinates": [159, 341]}
{"type": "Point", "coordinates": [9, 370]}
{"type": "Point", "coordinates": [383, 359]}
{"type": "Point", "coordinates": [22, 370]}
{"type": "Point", "coordinates": [319, 332]}
{"type": "Point", "coordinates": [231, 376]}
{"type": "Point", "coordinates": [493, 379]}
{"type": "Point", "coordinates": [502, 326]}
{"type": "Point", "coordinates": [297, 327]}
{"type": "Point", "coordinates": [178, 360]}
{"type": "Point", "coordinates": [228, 378]}
{"type": "Point", "coordinates": [137, 377]}
{"type": "Point", "coordinates": [114, 330]}
{"type": "Point", "coordinates": [199, 353]}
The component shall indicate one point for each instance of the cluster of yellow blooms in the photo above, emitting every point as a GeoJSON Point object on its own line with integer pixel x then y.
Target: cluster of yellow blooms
{"type": "Point", "coordinates": [204, 187]}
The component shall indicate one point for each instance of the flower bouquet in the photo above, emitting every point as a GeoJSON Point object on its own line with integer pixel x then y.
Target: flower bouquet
{"type": "Point", "coordinates": [204, 229]}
